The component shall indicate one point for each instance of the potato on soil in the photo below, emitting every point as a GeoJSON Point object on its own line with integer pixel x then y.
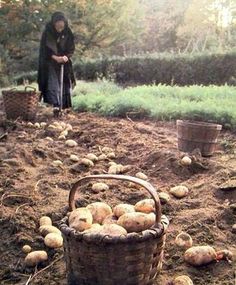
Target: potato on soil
{"type": "Point", "coordinates": [53, 240]}
{"type": "Point", "coordinates": [71, 143]}
{"type": "Point", "coordinates": [200, 255]}
{"type": "Point", "coordinates": [99, 211]}
{"type": "Point", "coordinates": [179, 191]}
{"type": "Point", "coordinates": [102, 157]}
{"type": "Point", "coordinates": [80, 219]}
{"type": "Point", "coordinates": [145, 206]}
{"type": "Point", "coordinates": [183, 240]}
{"type": "Point", "coordinates": [122, 209]}
{"type": "Point", "coordinates": [137, 222]}
{"type": "Point", "coordinates": [35, 257]}
{"type": "Point", "coordinates": [26, 248]}
{"type": "Point", "coordinates": [87, 162]}
{"type": "Point", "coordinates": [186, 161]}
{"type": "Point", "coordinates": [92, 157]}
{"type": "Point", "coordinates": [74, 158]}
{"type": "Point", "coordinates": [141, 176]}
{"type": "Point", "coordinates": [98, 187]}
{"type": "Point", "coordinates": [46, 229]}
{"type": "Point", "coordinates": [183, 280]}
{"type": "Point", "coordinates": [45, 221]}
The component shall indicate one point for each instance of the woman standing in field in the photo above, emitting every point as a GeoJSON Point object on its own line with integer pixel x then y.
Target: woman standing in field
{"type": "Point", "coordinates": [56, 48]}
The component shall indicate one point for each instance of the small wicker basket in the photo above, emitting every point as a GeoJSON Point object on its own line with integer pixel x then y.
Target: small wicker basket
{"type": "Point", "coordinates": [132, 259]}
{"type": "Point", "coordinates": [21, 104]}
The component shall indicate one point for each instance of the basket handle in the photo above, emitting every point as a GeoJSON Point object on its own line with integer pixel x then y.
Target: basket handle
{"type": "Point", "coordinates": [135, 180]}
{"type": "Point", "coordinates": [30, 87]}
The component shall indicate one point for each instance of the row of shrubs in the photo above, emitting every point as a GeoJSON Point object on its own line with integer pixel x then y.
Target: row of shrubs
{"type": "Point", "coordinates": [217, 69]}
{"type": "Point", "coordinates": [204, 69]}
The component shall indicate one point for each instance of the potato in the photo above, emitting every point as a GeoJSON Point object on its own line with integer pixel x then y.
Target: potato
{"type": "Point", "coordinates": [57, 163]}
{"type": "Point", "coordinates": [112, 230]}
{"type": "Point", "coordinates": [141, 176]}
{"type": "Point", "coordinates": [107, 149]}
{"type": "Point", "coordinates": [45, 221]}
{"type": "Point", "coordinates": [49, 139]}
{"type": "Point", "coordinates": [29, 124]}
{"type": "Point", "coordinates": [110, 163]}
{"type": "Point", "coordinates": [99, 211]}
{"type": "Point", "coordinates": [116, 169]}
{"type": "Point", "coordinates": [102, 157]}
{"type": "Point", "coordinates": [26, 248]}
{"type": "Point", "coordinates": [94, 228]}
{"type": "Point", "coordinates": [61, 137]}
{"type": "Point", "coordinates": [179, 191]}
{"type": "Point", "coordinates": [64, 133]}
{"type": "Point", "coordinates": [92, 157]}
{"type": "Point", "coordinates": [145, 206]}
{"type": "Point", "coordinates": [98, 187]}
{"type": "Point", "coordinates": [53, 240]}
{"type": "Point", "coordinates": [46, 229]}
{"type": "Point", "coordinates": [112, 169]}
{"type": "Point", "coordinates": [62, 124]}
{"type": "Point", "coordinates": [183, 280]}
{"type": "Point", "coordinates": [69, 127]}
{"type": "Point", "coordinates": [37, 125]}
{"type": "Point", "coordinates": [87, 162]}
{"type": "Point", "coordinates": [71, 143]}
{"type": "Point", "coordinates": [200, 255]}
{"type": "Point", "coordinates": [164, 197]}
{"type": "Point", "coordinates": [80, 219]}
{"type": "Point", "coordinates": [74, 158]}
{"type": "Point", "coordinates": [122, 209]}
{"type": "Point", "coordinates": [186, 161]}
{"type": "Point", "coordinates": [43, 124]}
{"type": "Point", "coordinates": [35, 257]}
{"type": "Point", "coordinates": [137, 222]}
{"type": "Point", "coordinates": [111, 219]}
{"type": "Point", "coordinates": [111, 155]}
{"type": "Point", "coordinates": [184, 240]}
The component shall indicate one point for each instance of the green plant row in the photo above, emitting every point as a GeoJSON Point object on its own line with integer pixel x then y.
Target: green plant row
{"type": "Point", "coordinates": [212, 103]}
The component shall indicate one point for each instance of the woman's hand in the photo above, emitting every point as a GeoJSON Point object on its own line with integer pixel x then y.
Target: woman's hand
{"type": "Point", "coordinates": [65, 58]}
{"type": "Point", "coordinates": [59, 59]}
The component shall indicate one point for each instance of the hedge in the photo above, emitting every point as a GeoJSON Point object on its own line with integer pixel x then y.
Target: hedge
{"type": "Point", "coordinates": [217, 69]}
{"type": "Point", "coordinates": [202, 69]}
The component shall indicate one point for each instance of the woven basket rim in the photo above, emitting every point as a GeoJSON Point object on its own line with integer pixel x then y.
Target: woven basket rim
{"type": "Point", "coordinates": [15, 92]}
{"type": "Point", "coordinates": [155, 232]}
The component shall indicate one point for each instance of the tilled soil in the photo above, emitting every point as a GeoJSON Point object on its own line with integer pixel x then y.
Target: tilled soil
{"type": "Point", "coordinates": [30, 186]}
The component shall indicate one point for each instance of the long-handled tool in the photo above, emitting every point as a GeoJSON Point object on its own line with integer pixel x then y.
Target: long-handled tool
{"type": "Point", "coordinates": [61, 88]}
{"type": "Point", "coordinates": [58, 111]}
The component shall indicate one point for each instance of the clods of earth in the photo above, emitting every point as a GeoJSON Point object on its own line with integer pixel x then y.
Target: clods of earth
{"type": "Point", "coordinates": [40, 162]}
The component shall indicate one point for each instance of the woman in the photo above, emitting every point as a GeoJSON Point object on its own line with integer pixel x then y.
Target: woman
{"type": "Point", "coordinates": [56, 48]}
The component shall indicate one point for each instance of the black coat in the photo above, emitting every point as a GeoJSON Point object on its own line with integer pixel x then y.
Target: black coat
{"type": "Point", "coordinates": [53, 43]}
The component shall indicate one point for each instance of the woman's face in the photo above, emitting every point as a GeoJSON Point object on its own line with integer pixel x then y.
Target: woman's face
{"type": "Point", "coordinates": [59, 26]}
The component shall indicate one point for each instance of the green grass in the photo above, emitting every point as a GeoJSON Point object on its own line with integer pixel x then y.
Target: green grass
{"type": "Point", "coordinates": [211, 104]}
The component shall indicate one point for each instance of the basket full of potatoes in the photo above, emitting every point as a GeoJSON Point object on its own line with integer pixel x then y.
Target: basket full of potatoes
{"type": "Point", "coordinates": [123, 245]}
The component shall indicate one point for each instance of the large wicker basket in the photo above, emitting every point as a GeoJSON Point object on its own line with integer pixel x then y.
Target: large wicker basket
{"type": "Point", "coordinates": [23, 104]}
{"type": "Point", "coordinates": [132, 259]}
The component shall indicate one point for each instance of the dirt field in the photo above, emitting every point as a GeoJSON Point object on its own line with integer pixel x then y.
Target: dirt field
{"type": "Point", "coordinates": [31, 187]}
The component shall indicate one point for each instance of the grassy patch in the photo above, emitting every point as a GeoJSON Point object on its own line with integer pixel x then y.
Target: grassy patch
{"type": "Point", "coordinates": [211, 103]}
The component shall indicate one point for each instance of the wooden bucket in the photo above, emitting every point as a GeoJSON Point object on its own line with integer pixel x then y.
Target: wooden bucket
{"type": "Point", "coordinates": [132, 259]}
{"type": "Point", "coordinates": [201, 135]}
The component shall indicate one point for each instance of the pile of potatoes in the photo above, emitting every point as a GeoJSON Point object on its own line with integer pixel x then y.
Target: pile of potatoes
{"type": "Point", "coordinates": [52, 239]}
{"type": "Point", "coordinates": [99, 218]}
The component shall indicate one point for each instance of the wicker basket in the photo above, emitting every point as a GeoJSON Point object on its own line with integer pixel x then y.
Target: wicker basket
{"type": "Point", "coordinates": [21, 104]}
{"type": "Point", "coordinates": [132, 259]}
